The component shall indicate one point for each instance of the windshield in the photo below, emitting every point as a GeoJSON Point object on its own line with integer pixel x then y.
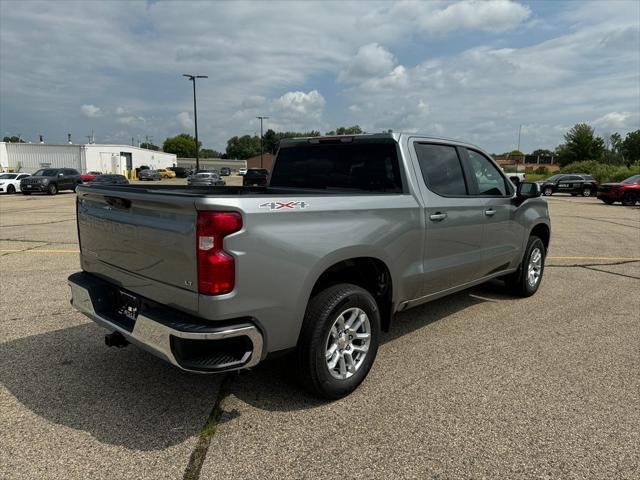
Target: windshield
{"type": "Point", "coordinates": [8, 176]}
{"type": "Point", "coordinates": [49, 172]}
{"type": "Point", "coordinates": [103, 178]}
{"type": "Point", "coordinates": [634, 179]}
{"type": "Point", "coordinates": [203, 175]}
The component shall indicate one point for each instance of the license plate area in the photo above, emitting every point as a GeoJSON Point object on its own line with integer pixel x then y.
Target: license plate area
{"type": "Point", "coordinates": [127, 305]}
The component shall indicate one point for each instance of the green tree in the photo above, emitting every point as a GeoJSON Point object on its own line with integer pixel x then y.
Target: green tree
{"type": "Point", "coordinates": [542, 152]}
{"type": "Point", "coordinates": [630, 147]}
{"type": "Point", "coordinates": [149, 146]}
{"type": "Point", "coordinates": [515, 153]}
{"type": "Point", "coordinates": [243, 147]}
{"type": "Point", "coordinates": [183, 145]}
{"type": "Point", "coordinates": [346, 131]}
{"type": "Point", "coordinates": [580, 144]}
{"type": "Point", "coordinates": [209, 153]}
{"type": "Point", "coordinates": [271, 140]}
{"type": "Point", "coordinates": [13, 139]}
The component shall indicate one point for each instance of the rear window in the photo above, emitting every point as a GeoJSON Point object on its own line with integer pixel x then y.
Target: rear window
{"type": "Point", "coordinates": [370, 167]}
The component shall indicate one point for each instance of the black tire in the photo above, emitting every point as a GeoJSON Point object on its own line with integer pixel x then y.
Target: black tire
{"type": "Point", "coordinates": [11, 189]}
{"type": "Point", "coordinates": [517, 282]}
{"type": "Point", "coordinates": [629, 199]}
{"type": "Point", "coordinates": [26, 193]}
{"type": "Point", "coordinates": [548, 191]}
{"type": "Point", "coordinates": [323, 310]}
{"type": "Point", "coordinates": [52, 189]}
{"type": "Point", "coordinates": [586, 192]}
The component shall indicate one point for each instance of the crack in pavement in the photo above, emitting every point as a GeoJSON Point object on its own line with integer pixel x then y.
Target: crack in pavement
{"type": "Point", "coordinates": [199, 453]}
{"type": "Point", "coordinates": [591, 266]}
{"type": "Point", "coordinates": [39, 223]}
{"type": "Point", "coordinates": [36, 241]}
{"type": "Point", "coordinates": [594, 219]}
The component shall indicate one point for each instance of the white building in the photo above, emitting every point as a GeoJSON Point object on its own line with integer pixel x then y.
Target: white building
{"type": "Point", "coordinates": [92, 157]}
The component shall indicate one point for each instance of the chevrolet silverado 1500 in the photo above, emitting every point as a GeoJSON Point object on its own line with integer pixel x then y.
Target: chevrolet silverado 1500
{"type": "Point", "coordinates": [348, 231]}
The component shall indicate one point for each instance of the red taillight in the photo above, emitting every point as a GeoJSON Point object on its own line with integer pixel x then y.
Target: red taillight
{"type": "Point", "coordinates": [216, 268]}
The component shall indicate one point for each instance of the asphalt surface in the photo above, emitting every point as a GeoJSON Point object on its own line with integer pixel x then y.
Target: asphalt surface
{"type": "Point", "coordinates": [475, 385]}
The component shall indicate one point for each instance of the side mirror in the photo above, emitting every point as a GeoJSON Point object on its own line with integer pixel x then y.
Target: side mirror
{"type": "Point", "coordinates": [528, 190]}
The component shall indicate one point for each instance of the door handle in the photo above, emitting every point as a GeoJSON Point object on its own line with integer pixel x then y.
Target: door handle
{"type": "Point", "coordinates": [489, 212]}
{"type": "Point", "coordinates": [438, 216]}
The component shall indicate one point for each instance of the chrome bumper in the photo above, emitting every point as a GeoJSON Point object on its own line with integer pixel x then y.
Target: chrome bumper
{"type": "Point", "coordinates": [155, 337]}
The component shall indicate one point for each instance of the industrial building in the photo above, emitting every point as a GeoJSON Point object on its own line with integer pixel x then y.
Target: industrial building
{"type": "Point", "coordinates": [91, 157]}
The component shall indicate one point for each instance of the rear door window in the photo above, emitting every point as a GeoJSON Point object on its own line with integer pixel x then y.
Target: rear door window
{"type": "Point", "coordinates": [356, 167]}
{"type": "Point", "coordinates": [441, 169]}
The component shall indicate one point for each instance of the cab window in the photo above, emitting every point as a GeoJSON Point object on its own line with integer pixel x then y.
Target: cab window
{"type": "Point", "coordinates": [441, 169]}
{"type": "Point", "coordinates": [487, 177]}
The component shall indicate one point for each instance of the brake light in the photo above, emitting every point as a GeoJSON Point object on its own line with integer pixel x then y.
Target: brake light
{"type": "Point", "coordinates": [216, 268]}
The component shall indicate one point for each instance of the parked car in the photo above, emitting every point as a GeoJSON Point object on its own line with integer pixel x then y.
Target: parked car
{"type": "Point", "coordinates": [206, 179]}
{"type": "Point", "coordinates": [255, 177]}
{"type": "Point", "coordinates": [346, 234]}
{"type": "Point", "coordinates": [627, 191]}
{"type": "Point", "coordinates": [10, 182]}
{"type": "Point", "coordinates": [180, 172]}
{"type": "Point", "coordinates": [225, 171]}
{"type": "Point", "coordinates": [149, 174]}
{"type": "Point", "coordinates": [242, 171]}
{"type": "Point", "coordinates": [51, 180]}
{"type": "Point", "coordinates": [109, 179]}
{"type": "Point", "coordinates": [166, 173]}
{"type": "Point", "coordinates": [87, 177]}
{"type": "Point", "coordinates": [573, 183]}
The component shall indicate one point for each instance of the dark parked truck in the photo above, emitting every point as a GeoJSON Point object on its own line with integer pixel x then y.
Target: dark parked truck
{"type": "Point", "coordinates": [51, 181]}
{"type": "Point", "coordinates": [349, 231]}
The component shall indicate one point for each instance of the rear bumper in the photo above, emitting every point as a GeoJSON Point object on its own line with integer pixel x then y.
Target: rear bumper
{"type": "Point", "coordinates": [185, 341]}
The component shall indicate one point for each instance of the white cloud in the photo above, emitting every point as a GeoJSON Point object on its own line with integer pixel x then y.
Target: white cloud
{"type": "Point", "coordinates": [300, 103]}
{"type": "Point", "coordinates": [91, 111]}
{"type": "Point", "coordinates": [491, 16]}
{"type": "Point", "coordinates": [615, 120]}
{"type": "Point", "coordinates": [185, 120]}
{"type": "Point", "coordinates": [370, 60]}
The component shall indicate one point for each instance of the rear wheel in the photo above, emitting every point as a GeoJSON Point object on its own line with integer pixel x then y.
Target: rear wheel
{"type": "Point", "coordinates": [26, 193]}
{"type": "Point", "coordinates": [525, 281]}
{"type": "Point", "coordinates": [586, 192]}
{"type": "Point", "coordinates": [629, 199]}
{"type": "Point", "coordinates": [548, 191]}
{"type": "Point", "coordinates": [338, 341]}
{"type": "Point", "coordinates": [11, 189]}
{"type": "Point", "coordinates": [53, 189]}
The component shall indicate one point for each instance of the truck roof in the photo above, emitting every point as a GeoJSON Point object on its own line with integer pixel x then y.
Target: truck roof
{"type": "Point", "coordinates": [370, 137]}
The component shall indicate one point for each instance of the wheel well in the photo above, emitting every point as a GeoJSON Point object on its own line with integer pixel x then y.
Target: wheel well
{"type": "Point", "coordinates": [542, 231]}
{"type": "Point", "coordinates": [369, 273]}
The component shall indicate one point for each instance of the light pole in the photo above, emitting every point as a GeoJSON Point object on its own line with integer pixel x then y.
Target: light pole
{"type": "Point", "coordinates": [195, 111]}
{"type": "Point", "coordinates": [261, 140]}
{"type": "Point", "coordinates": [519, 133]}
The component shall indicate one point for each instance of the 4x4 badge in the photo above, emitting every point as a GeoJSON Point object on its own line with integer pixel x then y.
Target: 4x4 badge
{"type": "Point", "coordinates": [284, 205]}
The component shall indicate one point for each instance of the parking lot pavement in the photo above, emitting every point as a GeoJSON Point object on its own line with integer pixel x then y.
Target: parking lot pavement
{"type": "Point", "coordinates": [478, 384]}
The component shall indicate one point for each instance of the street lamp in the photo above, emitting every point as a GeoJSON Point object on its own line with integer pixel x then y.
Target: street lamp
{"type": "Point", "coordinates": [261, 140]}
{"type": "Point", "coordinates": [195, 111]}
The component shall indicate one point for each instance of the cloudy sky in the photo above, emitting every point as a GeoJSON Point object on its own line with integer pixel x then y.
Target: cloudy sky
{"type": "Point", "coordinates": [472, 70]}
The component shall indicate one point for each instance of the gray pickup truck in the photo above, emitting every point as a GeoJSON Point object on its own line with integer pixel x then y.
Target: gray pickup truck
{"type": "Point", "coordinates": [348, 231]}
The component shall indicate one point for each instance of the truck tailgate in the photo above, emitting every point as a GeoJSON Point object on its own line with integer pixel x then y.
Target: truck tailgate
{"type": "Point", "coordinates": [144, 243]}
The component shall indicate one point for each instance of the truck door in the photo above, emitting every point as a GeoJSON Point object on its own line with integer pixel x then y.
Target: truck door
{"type": "Point", "coordinates": [453, 219]}
{"type": "Point", "coordinates": [502, 235]}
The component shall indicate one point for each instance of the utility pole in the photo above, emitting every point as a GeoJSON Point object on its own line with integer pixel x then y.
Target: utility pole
{"type": "Point", "coordinates": [261, 140]}
{"type": "Point", "coordinates": [195, 113]}
{"type": "Point", "coordinates": [519, 134]}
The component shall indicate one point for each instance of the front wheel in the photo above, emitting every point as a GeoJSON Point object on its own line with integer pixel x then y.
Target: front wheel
{"type": "Point", "coordinates": [53, 189]}
{"type": "Point", "coordinates": [11, 189]}
{"type": "Point", "coordinates": [525, 281]}
{"type": "Point", "coordinates": [338, 341]}
{"type": "Point", "coordinates": [548, 191]}
{"type": "Point", "coordinates": [586, 192]}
